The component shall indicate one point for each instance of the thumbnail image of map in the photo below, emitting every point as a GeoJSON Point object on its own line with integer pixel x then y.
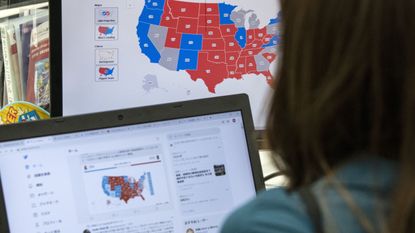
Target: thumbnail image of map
{"type": "Point", "coordinates": [210, 41]}
{"type": "Point", "coordinates": [126, 188]}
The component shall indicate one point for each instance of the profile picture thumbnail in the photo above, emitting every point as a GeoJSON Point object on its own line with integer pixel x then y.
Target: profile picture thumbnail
{"type": "Point", "coordinates": [219, 170]}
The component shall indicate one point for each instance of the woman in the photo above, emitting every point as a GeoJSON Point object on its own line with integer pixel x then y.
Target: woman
{"type": "Point", "coordinates": [342, 121]}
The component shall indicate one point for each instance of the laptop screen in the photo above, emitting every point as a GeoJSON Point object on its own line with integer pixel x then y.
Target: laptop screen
{"type": "Point", "coordinates": [182, 175]}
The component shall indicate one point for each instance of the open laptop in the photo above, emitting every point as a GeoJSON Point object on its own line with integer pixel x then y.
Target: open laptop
{"type": "Point", "coordinates": [179, 167]}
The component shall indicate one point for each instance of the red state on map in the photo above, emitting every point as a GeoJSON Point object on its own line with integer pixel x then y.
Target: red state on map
{"type": "Point", "coordinates": [260, 33]}
{"type": "Point", "coordinates": [211, 73]}
{"type": "Point", "coordinates": [209, 21]}
{"type": "Point", "coordinates": [256, 44]}
{"type": "Point", "coordinates": [250, 36]}
{"type": "Point", "coordinates": [210, 32]}
{"type": "Point", "coordinates": [232, 58]}
{"type": "Point", "coordinates": [250, 52]}
{"type": "Point", "coordinates": [213, 45]}
{"type": "Point", "coordinates": [168, 21]}
{"type": "Point", "coordinates": [217, 56]}
{"type": "Point", "coordinates": [233, 74]}
{"type": "Point", "coordinates": [228, 30]}
{"type": "Point", "coordinates": [188, 25]}
{"type": "Point", "coordinates": [209, 9]}
{"type": "Point", "coordinates": [127, 192]}
{"type": "Point", "coordinates": [184, 9]}
{"type": "Point", "coordinates": [231, 44]}
{"type": "Point", "coordinates": [241, 65]}
{"type": "Point", "coordinates": [173, 39]}
{"type": "Point", "coordinates": [270, 57]}
{"type": "Point", "coordinates": [250, 65]}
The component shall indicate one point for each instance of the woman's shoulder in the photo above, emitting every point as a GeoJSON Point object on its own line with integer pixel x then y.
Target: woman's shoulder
{"type": "Point", "coordinates": [276, 210]}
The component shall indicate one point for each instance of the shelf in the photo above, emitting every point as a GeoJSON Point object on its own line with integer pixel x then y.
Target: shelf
{"type": "Point", "coordinates": [16, 10]}
{"type": "Point", "coordinates": [24, 55]}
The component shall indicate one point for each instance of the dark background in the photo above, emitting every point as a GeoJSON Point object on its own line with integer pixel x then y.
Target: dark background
{"type": "Point", "coordinates": [10, 3]}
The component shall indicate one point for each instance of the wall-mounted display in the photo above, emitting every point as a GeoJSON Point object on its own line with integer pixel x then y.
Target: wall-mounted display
{"type": "Point", "coordinates": [121, 54]}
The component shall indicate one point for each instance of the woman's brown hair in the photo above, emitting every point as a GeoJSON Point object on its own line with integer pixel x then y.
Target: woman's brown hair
{"type": "Point", "coordinates": [347, 86]}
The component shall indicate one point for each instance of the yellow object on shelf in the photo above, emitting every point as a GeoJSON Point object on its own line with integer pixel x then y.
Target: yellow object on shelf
{"type": "Point", "coordinates": [22, 112]}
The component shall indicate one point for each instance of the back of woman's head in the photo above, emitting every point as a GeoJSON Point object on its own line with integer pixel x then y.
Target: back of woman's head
{"type": "Point", "coordinates": [347, 86]}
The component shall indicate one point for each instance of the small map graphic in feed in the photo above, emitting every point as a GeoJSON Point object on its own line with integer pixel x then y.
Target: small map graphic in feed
{"type": "Point", "coordinates": [210, 41]}
{"type": "Point", "coordinates": [125, 181]}
{"type": "Point", "coordinates": [126, 188]}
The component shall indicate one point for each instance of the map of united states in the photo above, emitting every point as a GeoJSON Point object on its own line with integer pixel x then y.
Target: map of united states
{"type": "Point", "coordinates": [210, 41]}
{"type": "Point", "coordinates": [123, 187]}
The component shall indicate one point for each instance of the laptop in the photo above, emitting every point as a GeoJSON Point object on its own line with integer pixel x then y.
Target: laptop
{"type": "Point", "coordinates": [181, 167]}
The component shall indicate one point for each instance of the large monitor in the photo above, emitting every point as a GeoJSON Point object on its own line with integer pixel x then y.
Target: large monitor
{"type": "Point", "coordinates": [117, 54]}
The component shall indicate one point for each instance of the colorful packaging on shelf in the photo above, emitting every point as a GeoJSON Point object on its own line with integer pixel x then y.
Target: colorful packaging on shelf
{"type": "Point", "coordinates": [22, 112]}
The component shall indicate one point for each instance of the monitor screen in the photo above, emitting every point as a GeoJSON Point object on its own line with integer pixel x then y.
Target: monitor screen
{"type": "Point", "coordinates": [128, 53]}
{"type": "Point", "coordinates": [166, 176]}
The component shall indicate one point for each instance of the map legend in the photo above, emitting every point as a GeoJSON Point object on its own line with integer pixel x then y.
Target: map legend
{"type": "Point", "coordinates": [106, 23]}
